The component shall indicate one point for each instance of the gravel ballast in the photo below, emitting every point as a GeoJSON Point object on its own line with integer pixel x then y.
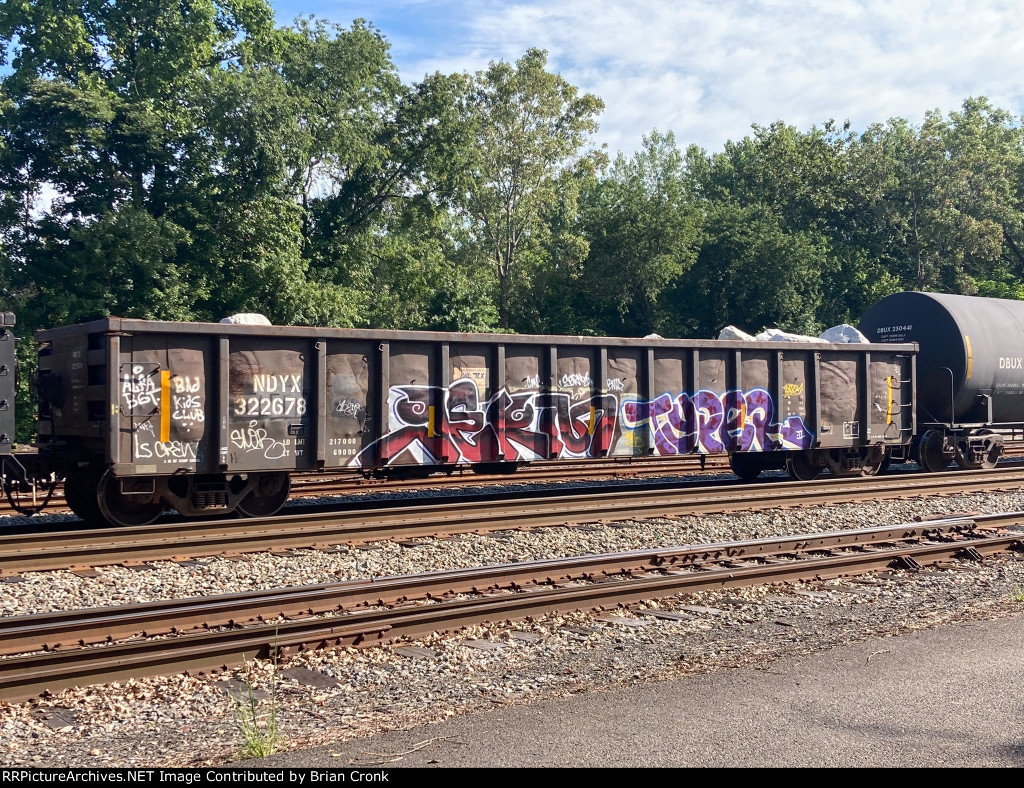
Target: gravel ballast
{"type": "Point", "coordinates": [192, 720]}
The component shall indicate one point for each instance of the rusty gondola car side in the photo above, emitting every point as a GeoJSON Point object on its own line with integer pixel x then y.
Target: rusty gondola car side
{"type": "Point", "coordinates": [210, 418]}
{"type": "Point", "coordinates": [8, 385]}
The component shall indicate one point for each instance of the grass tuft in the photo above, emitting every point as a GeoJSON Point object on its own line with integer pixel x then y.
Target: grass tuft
{"type": "Point", "coordinates": [257, 727]}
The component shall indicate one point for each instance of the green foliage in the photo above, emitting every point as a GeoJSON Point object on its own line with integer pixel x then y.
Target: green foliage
{"type": "Point", "coordinates": [528, 127]}
{"type": "Point", "coordinates": [188, 161]}
{"type": "Point", "coordinates": [750, 272]}
{"type": "Point", "coordinates": [256, 726]}
{"type": "Point", "coordinates": [25, 413]}
{"type": "Point", "coordinates": [642, 229]}
{"type": "Point", "coordinates": [941, 204]}
{"type": "Point", "coordinates": [1008, 287]}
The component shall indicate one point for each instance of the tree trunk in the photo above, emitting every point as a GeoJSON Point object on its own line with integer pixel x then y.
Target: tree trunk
{"type": "Point", "coordinates": [917, 249]}
{"type": "Point", "coordinates": [503, 316]}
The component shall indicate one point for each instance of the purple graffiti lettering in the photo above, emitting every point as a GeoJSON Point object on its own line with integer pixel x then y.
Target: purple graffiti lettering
{"type": "Point", "coordinates": [671, 422]}
{"type": "Point", "coordinates": [758, 412]}
{"type": "Point", "coordinates": [710, 423]}
{"type": "Point", "coordinates": [710, 418]}
{"type": "Point", "coordinates": [792, 434]}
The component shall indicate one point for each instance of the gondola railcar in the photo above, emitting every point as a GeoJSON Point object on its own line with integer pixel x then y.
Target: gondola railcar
{"type": "Point", "coordinates": [138, 417]}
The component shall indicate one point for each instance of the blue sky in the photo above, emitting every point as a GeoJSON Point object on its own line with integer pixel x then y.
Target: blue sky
{"type": "Point", "coordinates": [708, 69]}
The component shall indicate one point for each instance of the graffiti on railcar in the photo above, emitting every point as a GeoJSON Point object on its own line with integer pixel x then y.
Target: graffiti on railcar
{"type": "Point", "coordinates": [516, 425]}
{"type": "Point", "coordinates": [432, 425]}
{"type": "Point", "coordinates": [167, 410]}
{"type": "Point", "coordinates": [710, 423]}
{"type": "Point", "coordinates": [140, 388]}
{"type": "Point", "coordinates": [268, 407]}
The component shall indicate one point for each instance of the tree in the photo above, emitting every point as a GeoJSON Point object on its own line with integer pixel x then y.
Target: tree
{"type": "Point", "coordinates": [941, 203]}
{"type": "Point", "coordinates": [528, 127]}
{"type": "Point", "coordinates": [750, 272]}
{"type": "Point", "coordinates": [184, 146]}
{"type": "Point", "coordinates": [641, 226]}
{"type": "Point", "coordinates": [804, 179]}
{"type": "Point", "coordinates": [800, 174]}
{"type": "Point", "coordinates": [97, 113]}
{"type": "Point", "coordinates": [389, 209]}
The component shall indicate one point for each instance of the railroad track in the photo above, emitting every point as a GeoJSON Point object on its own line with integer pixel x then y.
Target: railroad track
{"type": "Point", "coordinates": [325, 527]}
{"type": "Point", "coordinates": [543, 472]}
{"type": "Point", "coordinates": [212, 633]}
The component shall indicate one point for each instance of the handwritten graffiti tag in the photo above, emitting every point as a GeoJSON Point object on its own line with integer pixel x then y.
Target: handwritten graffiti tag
{"type": "Point", "coordinates": [255, 438]}
{"type": "Point", "coordinates": [139, 386]}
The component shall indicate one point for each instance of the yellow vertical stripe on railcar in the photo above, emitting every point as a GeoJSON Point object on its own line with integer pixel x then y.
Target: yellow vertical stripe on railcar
{"type": "Point", "coordinates": [165, 405]}
{"type": "Point", "coordinates": [888, 411]}
{"type": "Point", "coordinates": [592, 426]}
{"type": "Point", "coordinates": [970, 356]}
{"type": "Point", "coordinates": [430, 422]}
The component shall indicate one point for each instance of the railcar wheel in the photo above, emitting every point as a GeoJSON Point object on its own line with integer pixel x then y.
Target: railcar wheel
{"type": "Point", "coordinates": [801, 467]}
{"type": "Point", "coordinates": [128, 510]}
{"type": "Point", "coordinates": [990, 459]}
{"type": "Point", "coordinates": [80, 496]}
{"type": "Point", "coordinates": [745, 465]}
{"type": "Point", "coordinates": [932, 454]}
{"type": "Point", "coordinates": [271, 493]}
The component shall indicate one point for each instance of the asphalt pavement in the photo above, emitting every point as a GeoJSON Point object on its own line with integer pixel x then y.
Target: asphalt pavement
{"type": "Point", "coordinates": [951, 697]}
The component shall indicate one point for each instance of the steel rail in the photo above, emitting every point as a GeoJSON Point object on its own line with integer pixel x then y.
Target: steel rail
{"type": "Point", "coordinates": [310, 483]}
{"type": "Point", "coordinates": [37, 551]}
{"type": "Point", "coordinates": [47, 631]}
{"type": "Point", "coordinates": [23, 677]}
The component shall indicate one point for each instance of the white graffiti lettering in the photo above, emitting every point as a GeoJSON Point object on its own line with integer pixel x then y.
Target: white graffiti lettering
{"type": "Point", "coordinates": [255, 438]}
{"type": "Point", "coordinates": [176, 450]}
{"type": "Point", "coordinates": [187, 409]}
{"type": "Point", "coordinates": [614, 384]}
{"type": "Point", "coordinates": [143, 450]}
{"type": "Point", "coordinates": [186, 384]}
{"type": "Point", "coordinates": [146, 449]}
{"type": "Point", "coordinates": [139, 388]}
{"type": "Point", "coordinates": [575, 380]}
{"type": "Point", "coordinates": [348, 407]}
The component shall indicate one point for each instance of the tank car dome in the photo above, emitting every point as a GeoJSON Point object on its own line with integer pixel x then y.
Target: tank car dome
{"type": "Point", "coordinates": [971, 352]}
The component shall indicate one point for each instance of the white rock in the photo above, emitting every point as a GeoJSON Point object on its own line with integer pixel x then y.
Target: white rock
{"type": "Point", "coordinates": [778, 335]}
{"type": "Point", "coordinates": [844, 333]}
{"type": "Point", "coordinates": [731, 332]}
{"type": "Point", "coordinates": [247, 319]}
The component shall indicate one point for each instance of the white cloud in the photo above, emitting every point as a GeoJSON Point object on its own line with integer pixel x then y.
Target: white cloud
{"type": "Point", "coordinates": [708, 69]}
